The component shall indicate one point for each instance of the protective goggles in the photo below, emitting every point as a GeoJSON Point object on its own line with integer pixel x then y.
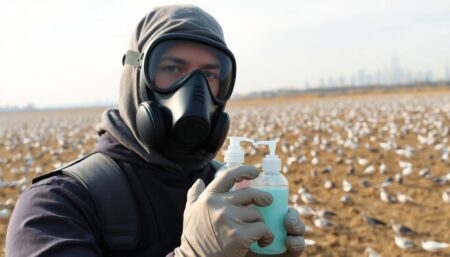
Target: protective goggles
{"type": "Point", "coordinates": [170, 59]}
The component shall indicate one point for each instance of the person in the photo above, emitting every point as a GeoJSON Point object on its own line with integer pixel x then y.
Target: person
{"type": "Point", "coordinates": [177, 77]}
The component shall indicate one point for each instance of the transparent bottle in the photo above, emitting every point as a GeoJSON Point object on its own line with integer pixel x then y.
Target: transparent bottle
{"type": "Point", "coordinates": [233, 156]}
{"type": "Point", "coordinates": [272, 181]}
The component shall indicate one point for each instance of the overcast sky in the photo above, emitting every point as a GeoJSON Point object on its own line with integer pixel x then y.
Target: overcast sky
{"type": "Point", "coordinates": [57, 52]}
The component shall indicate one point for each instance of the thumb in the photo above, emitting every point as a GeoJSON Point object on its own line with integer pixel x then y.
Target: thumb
{"type": "Point", "coordinates": [195, 191]}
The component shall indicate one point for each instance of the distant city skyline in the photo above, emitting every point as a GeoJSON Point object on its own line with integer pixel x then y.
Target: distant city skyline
{"type": "Point", "coordinates": [66, 53]}
{"type": "Point", "coordinates": [394, 74]}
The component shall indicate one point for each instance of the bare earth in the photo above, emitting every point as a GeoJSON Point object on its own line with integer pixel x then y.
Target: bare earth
{"type": "Point", "coordinates": [46, 140]}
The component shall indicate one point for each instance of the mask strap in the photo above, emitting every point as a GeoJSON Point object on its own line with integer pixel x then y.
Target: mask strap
{"type": "Point", "coordinates": [131, 58]}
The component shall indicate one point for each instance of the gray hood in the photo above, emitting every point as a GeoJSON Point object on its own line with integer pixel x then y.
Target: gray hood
{"type": "Point", "coordinates": [121, 123]}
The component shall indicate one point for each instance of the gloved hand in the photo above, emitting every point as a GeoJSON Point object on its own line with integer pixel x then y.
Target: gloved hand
{"type": "Point", "coordinates": [219, 223]}
{"type": "Point", "coordinates": [295, 243]}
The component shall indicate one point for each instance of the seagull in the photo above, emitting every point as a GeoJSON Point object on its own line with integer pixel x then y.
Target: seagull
{"type": "Point", "coordinates": [363, 162]}
{"type": "Point", "coordinates": [387, 183]}
{"type": "Point", "coordinates": [433, 246]}
{"type": "Point", "coordinates": [446, 196]}
{"type": "Point", "coordinates": [364, 183]}
{"type": "Point", "coordinates": [324, 214]}
{"type": "Point", "coordinates": [398, 178]}
{"type": "Point", "coordinates": [372, 221]}
{"type": "Point", "coordinates": [369, 170]}
{"type": "Point", "coordinates": [346, 185]}
{"type": "Point", "coordinates": [386, 197]}
{"type": "Point", "coordinates": [329, 184]}
{"type": "Point", "coordinates": [404, 230]}
{"type": "Point", "coordinates": [304, 210]}
{"type": "Point", "coordinates": [382, 168]}
{"type": "Point", "coordinates": [402, 198]}
{"type": "Point", "coordinates": [309, 242]}
{"type": "Point", "coordinates": [294, 198]}
{"type": "Point", "coordinates": [5, 213]}
{"type": "Point", "coordinates": [371, 252]}
{"type": "Point", "coordinates": [307, 198]}
{"type": "Point", "coordinates": [404, 243]}
{"type": "Point", "coordinates": [346, 199]}
{"type": "Point", "coordinates": [322, 223]}
{"type": "Point", "coordinates": [424, 172]}
{"type": "Point", "coordinates": [407, 171]}
{"type": "Point", "coordinates": [315, 161]}
{"type": "Point", "coordinates": [326, 170]}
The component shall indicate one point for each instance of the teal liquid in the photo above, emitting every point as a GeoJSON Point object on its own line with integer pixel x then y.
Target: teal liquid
{"type": "Point", "coordinates": [274, 216]}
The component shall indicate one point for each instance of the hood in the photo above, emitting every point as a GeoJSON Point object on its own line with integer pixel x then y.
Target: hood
{"type": "Point", "coordinates": [121, 122]}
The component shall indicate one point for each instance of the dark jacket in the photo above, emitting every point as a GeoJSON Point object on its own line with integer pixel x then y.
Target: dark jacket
{"type": "Point", "coordinates": [56, 216]}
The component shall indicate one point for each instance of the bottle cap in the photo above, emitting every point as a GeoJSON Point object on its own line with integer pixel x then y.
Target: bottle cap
{"type": "Point", "coordinates": [234, 153]}
{"type": "Point", "coordinates": [271, 162]}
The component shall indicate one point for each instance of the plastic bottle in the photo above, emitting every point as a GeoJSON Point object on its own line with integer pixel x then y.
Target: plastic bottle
{"type": "Point", "coordinates": [234, 155]}
{"type": "Point", "coordinates": [272, 181]}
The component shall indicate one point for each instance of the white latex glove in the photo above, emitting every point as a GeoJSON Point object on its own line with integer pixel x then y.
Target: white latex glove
{"type": "Point", "coordinates": [219, 223]}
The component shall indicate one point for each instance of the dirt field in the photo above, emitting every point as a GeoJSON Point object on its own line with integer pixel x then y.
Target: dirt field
{"type": "Point", "coordinates": [315, 132]}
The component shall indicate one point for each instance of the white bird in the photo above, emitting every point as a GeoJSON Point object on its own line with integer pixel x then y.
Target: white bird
{"type": "Point", "coordinates": [5, 213]}
{"type": "Point", "coordinates": [322, 223]}
{"type": "Point", "coordinates": [291, 160]}
{"type": "Point", "coordinates": [363, 162]}
{"type": "Point", "coordinates": [307, 198]}
{"type": "Point", "coordinates": [402, 230]}
{"type": "Point", "coordinates": [324, 214]}
{"type": "Point", "coordinates": [329, 184]}
{"type": "Point", "coordinates": [369, 170]}
{"type": "Point", "coordinates": [383, 168]}
{"type": "Point", "coordinates": [408, 170]}
{"type": "Point", "coordinates": [315, 161]}
{"type": "Point", "coordinates": [402, 198]}
{"type": "Point", "coordinates": [433, 246]}
{"type": "Point", "coordinates": [309, 242]}
{"type": "Point", "coordinates": [346, 185]}
{"type": "Point", "coordinates": [404, 164]}
{"type": "Point", "coordinates": [398, 178]}
{"type": "Point", "coordinates": [304, 210]}
{"type": "Point", "coordinates": [424, 172]}
{"type": "Point", "coordinates": [386, 197]}
{"type": "Point", "coordinates": [371, 252]}
{"type": "Point", "coordinates": [387, 183]}
{"type": "Point", "coordinates": [346, 199]}
{"type": "Point", "coordinates": [404, 243]}
{"type": "Point", "coordinates": [446, 196]}
{"type": "Point", "coordinates": [294, 198]}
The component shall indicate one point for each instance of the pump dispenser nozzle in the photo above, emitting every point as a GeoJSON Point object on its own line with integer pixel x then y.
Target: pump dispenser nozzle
{"type": "Point", "coordinates": [271, 162]}
{"type": "Point", "coordinates": [234, 153]}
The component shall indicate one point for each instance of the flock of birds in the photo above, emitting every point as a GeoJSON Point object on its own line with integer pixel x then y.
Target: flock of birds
{"type": "Point", "coordinates": [364, 157]}
{"type": "Point", "coordinates": [378, 147]}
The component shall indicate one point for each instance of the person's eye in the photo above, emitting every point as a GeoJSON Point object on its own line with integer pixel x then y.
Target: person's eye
{"type": "Point", "coordinates": [211, 75]}
{"type": "Point", "coordinates": [171, 68]}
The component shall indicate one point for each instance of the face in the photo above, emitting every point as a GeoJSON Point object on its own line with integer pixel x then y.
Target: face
{"type": "Point", "coordinates": [183, 58]}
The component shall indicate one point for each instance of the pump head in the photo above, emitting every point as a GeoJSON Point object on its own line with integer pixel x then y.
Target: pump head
{"type": "Point", "coordinates": [271, 162]}
{"type": "Point", "coordinates": [234, 153]}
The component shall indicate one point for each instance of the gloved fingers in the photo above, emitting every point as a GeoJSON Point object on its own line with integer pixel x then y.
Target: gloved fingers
{"type": "Point", "coordinates": [250, 214]}
{"type": "Point", "coordinates": [246, 196]}
{"type": "Point", "coordinates": [294, 226]}
{"type": "Point", "coordinates": [295, 245]}
{"type": "Point", "coordinates": [195, 191]}
{"type": "Point", "coordinates": [259, 232]}
{"type": "Point", "coordinates": [227, 178]}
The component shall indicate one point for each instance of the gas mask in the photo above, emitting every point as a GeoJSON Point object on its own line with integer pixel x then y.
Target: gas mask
{"type": "Point", "coordinates": [184, 83]}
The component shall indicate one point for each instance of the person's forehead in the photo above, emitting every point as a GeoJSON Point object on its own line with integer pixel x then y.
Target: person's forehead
{"type": "Point", "coordinates": [190, 49]}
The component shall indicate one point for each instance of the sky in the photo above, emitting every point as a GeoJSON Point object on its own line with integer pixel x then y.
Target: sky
{"type": "Point", "coordinates": [65, 53]}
